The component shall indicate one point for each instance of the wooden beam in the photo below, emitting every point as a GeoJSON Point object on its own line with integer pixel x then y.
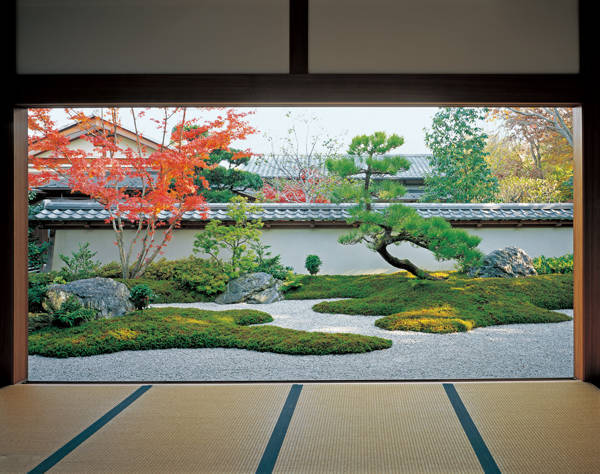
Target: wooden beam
{"type": "Point", "coordinates": [298, 89]}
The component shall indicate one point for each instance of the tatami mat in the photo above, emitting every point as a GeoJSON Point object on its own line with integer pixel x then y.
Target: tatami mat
{"type": "Point", "coordinates": [36, 420]}
{"type": "Point", "coordinates": [537, 427]}
{"type": "Point", "coordinates": [375, 428]}
{"type": "Point", "coordinates": [395, 427]}
{"type": "Point", "coordinates": [185, 428]}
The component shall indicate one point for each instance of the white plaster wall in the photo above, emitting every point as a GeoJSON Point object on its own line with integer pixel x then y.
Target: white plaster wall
{"type": "Point", "coordinates": [295, 244]}
{"type": "Point", "coordinates": [152, 36]}
{"type": "Point", "coordinates": [443, 36]}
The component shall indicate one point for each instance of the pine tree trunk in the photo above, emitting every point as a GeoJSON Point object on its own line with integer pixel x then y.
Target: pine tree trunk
{"type": "Point", "coordinates": [405, 264]}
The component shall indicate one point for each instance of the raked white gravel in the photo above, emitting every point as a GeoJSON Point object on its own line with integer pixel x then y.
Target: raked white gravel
{"type": "Point", "coordinates": [517, 350]}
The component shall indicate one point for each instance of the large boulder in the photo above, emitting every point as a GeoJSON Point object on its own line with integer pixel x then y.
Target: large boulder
{"type": "Point", "coordinates": [509, 262]}
{"type": "Point", "coordinates": [108, 297]}
{"type": "Point", "coordinates": [258, 288]}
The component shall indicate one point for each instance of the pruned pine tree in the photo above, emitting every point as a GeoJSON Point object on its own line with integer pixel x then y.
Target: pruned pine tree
{"type": "Point", "coordinates": [395, 223]}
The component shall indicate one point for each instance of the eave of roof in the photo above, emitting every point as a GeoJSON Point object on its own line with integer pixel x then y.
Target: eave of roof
{"type": "Point", "coordinates": [64, 210]}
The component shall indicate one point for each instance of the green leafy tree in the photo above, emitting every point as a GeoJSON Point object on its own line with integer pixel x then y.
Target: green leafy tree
{"type": "Point", "coordinates": [460, 172]}
{"type": "Point", "coordinates": [394, 223]}
{"type": "Point", "coordinates": [226, 181]}
{"type": "Point", "coordinates": [237, 240]}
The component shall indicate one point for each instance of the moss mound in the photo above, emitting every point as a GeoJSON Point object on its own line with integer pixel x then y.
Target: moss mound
{"type": "Point", "coordinates": [167, 328]}
{"type": "Point", "coordinates": [455, 304]}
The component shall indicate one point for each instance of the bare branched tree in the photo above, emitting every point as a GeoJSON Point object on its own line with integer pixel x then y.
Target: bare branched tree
{"type": "Point", "coordinates": [300, 158]}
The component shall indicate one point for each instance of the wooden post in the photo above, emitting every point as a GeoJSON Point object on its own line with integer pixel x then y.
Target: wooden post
{"type": "Point", "coordinates": [586, 235]}
{"type": "Point", "coordinates": [13, 314]}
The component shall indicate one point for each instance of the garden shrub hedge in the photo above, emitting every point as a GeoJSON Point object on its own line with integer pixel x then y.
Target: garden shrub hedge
{"type": "Point", "coordinates": [548, 265]}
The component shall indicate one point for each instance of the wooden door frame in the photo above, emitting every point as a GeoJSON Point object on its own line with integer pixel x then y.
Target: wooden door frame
{"type": "Point", "coordinates": [301, 88]}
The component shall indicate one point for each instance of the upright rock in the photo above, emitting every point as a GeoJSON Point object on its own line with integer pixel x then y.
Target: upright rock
{"type": "Point", "coordinates": [108, 297]}
{"type": "Point", "coordinates": [509, 262]}
{"type": "Point", "coordinates": [258, 288]}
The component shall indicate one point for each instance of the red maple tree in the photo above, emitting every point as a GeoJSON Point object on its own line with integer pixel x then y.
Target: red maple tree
{"type": "Point", "coordinates": [165, 189]}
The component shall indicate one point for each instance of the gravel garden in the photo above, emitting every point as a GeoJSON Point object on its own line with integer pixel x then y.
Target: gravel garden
{"type": "Point", "coordinates": [327, 327]}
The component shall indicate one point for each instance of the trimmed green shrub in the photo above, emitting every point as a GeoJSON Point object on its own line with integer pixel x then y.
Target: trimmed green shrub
{"type": "Point", "coordinates": [313, 264]}
{"type": "Point", "coordinates": [110, 270]}
{"type": "Point", "coordinates": [166, 328]}
{"type": "Point", "coordinates": [141, 296]}
{"type": "Point", "coordinates": [191, 274]}
{"type": "Point", "coordinates": [548, 265]}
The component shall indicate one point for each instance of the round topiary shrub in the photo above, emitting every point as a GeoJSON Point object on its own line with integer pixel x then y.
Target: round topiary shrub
{"type": "Point", "coordinates": [313, 264]}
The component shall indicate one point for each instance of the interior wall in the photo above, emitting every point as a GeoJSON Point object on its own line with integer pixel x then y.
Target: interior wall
{"type": "Point", "coordinates": [443, 36]}
{"type": "Point", "coordinates": [353, 36]}
{"type": "Point", "coordinates": [152, 36]}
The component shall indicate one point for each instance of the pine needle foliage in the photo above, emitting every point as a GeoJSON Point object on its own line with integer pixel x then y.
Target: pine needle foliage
{"type": "Point", "coordinates": [395, 223]}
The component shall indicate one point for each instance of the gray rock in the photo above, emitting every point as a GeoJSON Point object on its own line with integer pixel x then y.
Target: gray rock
{"type": "Point", "coordinates": [270, 295]}
{"type": "Point", "coordinates": [258, 288]}
{"type": "Point", "coordinates": [108, 297]}
{"type": "Point", "coordinates": [510, 262]}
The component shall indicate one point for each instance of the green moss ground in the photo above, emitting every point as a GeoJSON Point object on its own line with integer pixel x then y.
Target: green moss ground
{"type": "Point", "coordinates": [167, 328]}
{"type": "Point", "coordinates": [455, 304]}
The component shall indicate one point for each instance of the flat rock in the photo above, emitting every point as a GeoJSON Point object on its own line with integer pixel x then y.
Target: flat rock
{"type": "Point", "coordinates": [509, 262]}
{"type": "Point", "coordinates": [257, 288]}
{"type": "Point", "coordinates": [108, 297]}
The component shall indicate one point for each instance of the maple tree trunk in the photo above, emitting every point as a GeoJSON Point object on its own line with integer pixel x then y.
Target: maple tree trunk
{"type": "Point", "coordinates": [405, 264]}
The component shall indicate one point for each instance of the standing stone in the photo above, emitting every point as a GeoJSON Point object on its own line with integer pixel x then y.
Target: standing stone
{"type": "Point", "coordinates": [108, 297]}
{"type": "Point", "coordinates": [510, 262]}
{"type": "Point", "coordinates": [257, 288]}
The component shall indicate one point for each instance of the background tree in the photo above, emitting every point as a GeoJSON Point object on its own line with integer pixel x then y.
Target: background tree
{"type": "Point", "coordinates": [37, 252]}
{"type": "Point", "coordinates": [363, 172]}
{"type": "Point", "coordinates": [519, 180]}
{"type": "Point", "coordinates": [169, 187]}
{"type": "Point", "coordinates": [539, 142]}
{"type": "Point", "coordinates": [394, 224]}
{"type": "Point", "coordinates": [318, 184]}
{"type": "Point", "coordinates": [299, 160]}
{"type": "Point", "coordinates": [226, 181]}
{"type": "Point", "coordinates": [459, 170]}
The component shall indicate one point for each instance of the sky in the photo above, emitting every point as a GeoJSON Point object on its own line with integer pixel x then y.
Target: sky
{"type": "Point", "coordinates": [341, 123]}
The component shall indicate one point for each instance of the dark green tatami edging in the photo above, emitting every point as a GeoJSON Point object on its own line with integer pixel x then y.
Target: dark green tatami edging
{"type": "Point", "coordinates": [481, 450]}
{"type": "Point", "coordinates": [59, 454]}
{"type": "Point", "coordinates": [269, 458]}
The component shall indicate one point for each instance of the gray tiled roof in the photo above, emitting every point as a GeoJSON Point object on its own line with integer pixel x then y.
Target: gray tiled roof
{"type": "Point", "coordinates": [88, 211]}
{"type": "Point", "coordinates": [62, 184]}
{"type": "Point", "coordinates": [265, 167]}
